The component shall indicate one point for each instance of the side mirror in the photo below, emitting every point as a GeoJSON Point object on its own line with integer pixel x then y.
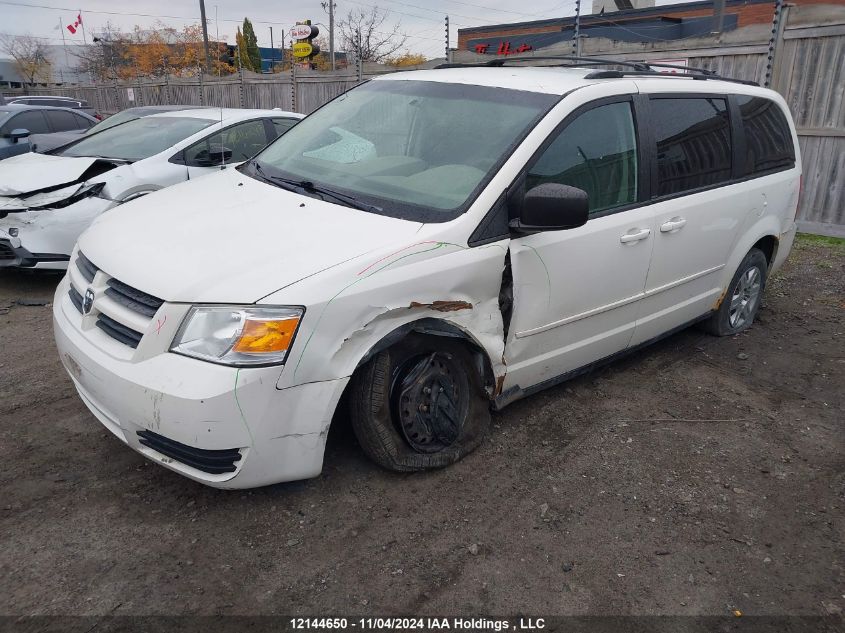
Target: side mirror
{"type": "Point", "coordinates": [18, 134]}
{"type": "Point", "coordinates": [216, 155]}
{"type": "Point", "coordinates": [552, 207]}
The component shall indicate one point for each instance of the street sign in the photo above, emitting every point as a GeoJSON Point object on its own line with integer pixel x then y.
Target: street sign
{"type": "Point", "coordinates": [300, 31]}
{"type": "Point", "coordinates": [302, 49]}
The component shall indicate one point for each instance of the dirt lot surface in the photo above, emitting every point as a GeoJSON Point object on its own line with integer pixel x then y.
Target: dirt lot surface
{"type": "Point", "coordinates": [697, 477]}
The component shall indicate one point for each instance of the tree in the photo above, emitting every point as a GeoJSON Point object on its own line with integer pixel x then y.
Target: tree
{"type": "Point", "coordinates": [243, 51]}
{"type": "Point", "coordinates": [406, 59]}
{"type": "Point", "coordinates": [154, 52]}
{"type": "Point", "coordinates": [29, 56]}
{"type": "Point", "coordinates": [365, 31]}
{"type": "Point", "coordinates": [251, 42]}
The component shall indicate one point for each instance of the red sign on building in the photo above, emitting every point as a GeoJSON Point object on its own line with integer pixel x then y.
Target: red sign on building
{"type": "Point", "coordinates": [504, 48]}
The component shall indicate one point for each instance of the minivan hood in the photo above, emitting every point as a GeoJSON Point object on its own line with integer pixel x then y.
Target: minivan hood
{"type": "Point", "coordinates": [228, 238]}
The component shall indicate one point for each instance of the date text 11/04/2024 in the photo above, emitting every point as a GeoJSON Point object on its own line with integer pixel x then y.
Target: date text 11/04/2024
{"type": "Point", "coordinates": [421, 624]}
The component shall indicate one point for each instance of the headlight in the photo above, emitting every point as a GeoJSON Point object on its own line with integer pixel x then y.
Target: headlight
{"type": "Point", "coordinates": [239, 336]}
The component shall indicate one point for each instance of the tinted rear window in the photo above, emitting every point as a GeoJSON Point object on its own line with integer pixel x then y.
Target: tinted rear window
{"type": "Point", "coordinates": [693, 143]}
{"type": "Point", "coordinates": [62, 120]}
{"type": "Point", "coordinates": [768, 141]}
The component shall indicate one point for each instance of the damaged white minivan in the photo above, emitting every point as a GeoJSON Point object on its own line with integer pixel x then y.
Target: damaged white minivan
{"type": "Point", "coordinates": [430, 245]}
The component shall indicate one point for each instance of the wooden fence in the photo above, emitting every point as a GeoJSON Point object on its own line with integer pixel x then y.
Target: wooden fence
{"type": "Point", "coordinates": [807, 68]}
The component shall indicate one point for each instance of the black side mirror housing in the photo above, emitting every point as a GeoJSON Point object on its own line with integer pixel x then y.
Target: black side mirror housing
{"type": "Point", "coordinates": [552, 207]}
{"type": "Point", "coordinates": [216, 155]}
{"type": "Point", "coordinates": [18, 134]}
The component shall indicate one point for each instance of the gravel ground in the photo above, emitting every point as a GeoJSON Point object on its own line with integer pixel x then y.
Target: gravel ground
{"type": "Point", "coordinates": [699, 476]}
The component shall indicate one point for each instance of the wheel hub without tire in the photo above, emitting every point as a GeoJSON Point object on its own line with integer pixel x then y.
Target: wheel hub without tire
{"type": "Point", "coordinates": [431, 400]}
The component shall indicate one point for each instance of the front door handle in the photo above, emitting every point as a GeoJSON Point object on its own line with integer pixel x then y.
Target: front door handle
{"type": "Point", "coordinates": [672, 225]}
{"type": "Point", "coordinates": [635, 235]}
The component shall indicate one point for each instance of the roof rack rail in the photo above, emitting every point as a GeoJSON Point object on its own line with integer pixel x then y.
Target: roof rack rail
{"type": "Point", "coordinates": [640, 68]}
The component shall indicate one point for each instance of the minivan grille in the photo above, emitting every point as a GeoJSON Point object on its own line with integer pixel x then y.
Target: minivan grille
{"type": "Point", "coordinates": [133, 299]}
{"type": "Point", "coordinates": [214, 462]}
{"type": "Point", "coordinates": [118, 331]}
{"type": "Point", "coordinates": [75, 298]}
{"type": "Point", "coordinates": [6, 251]}
{"type": "Point", "coordinates": [86, 267]}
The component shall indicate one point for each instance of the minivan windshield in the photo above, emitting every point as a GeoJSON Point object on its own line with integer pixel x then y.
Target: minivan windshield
{"type": "Point", "coordinates": [417, 150]}
{"type": "Point", "coordinates": [138, 139]}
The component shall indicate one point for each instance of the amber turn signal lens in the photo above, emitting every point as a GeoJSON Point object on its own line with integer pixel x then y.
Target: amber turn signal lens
{"type": "Point", "coordinates": [260, 336]}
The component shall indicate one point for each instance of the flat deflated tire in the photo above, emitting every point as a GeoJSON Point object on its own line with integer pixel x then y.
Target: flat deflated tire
{"type": "Point", "coordinates": [419, 404]}
{"type": "Point", "coordinates": [743, 298]}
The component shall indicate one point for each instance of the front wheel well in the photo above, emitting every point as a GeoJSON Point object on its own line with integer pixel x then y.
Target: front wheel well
{"type": "Point", "coordinates": [438, 328]}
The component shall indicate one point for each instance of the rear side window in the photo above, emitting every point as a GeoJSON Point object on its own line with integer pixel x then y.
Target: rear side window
{"type": "Point", "coordinates": [768, 141]}
{"type": "Point", "coordinates": [596, 152]}
{"type": "Point", "coordinates": [82, 123]}
{"type": "Point", "coordinates": [693, 143]}
{"type": "Point", "coordinates": [62, 120]}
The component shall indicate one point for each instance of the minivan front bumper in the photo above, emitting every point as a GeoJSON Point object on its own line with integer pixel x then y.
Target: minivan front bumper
{"type": "Point", "coordinates": [222, 426]}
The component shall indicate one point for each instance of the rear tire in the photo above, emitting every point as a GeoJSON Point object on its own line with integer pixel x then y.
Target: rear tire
{"type": "Point", "coordinates": [419, 404]}
{"type": "Point", "coordinates": [743, 299]}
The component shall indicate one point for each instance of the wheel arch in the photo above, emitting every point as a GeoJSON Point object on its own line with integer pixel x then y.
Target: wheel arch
{"type": "Point", "coordinates": [434, 327]}
{"type": "Point", "coordinates": [765, 235]}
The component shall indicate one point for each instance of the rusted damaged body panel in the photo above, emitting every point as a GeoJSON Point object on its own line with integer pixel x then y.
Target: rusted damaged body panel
{"type": "Point", "coordinates": [381, 293]}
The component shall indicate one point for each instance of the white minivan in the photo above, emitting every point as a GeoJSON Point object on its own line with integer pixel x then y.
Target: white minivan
{"type": "Point", "coordinates": [426, 247]}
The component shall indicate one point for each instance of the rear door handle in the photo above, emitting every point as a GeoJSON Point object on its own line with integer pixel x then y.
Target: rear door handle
{"type": "Point", "coordinates": [672, 225]}
{"type": "Point", "coordinates": [635, 235]}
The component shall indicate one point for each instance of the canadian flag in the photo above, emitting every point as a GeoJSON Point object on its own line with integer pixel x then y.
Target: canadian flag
{"type": "Point", "coordinates": [73, 27]}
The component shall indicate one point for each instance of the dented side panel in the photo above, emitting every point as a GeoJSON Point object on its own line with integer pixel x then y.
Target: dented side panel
{"type": "Point", "coordinates": [380, 293]}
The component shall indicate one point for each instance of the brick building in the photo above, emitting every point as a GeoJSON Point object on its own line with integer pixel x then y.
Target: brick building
{"type": "Point", "coordinates": [664, 23]}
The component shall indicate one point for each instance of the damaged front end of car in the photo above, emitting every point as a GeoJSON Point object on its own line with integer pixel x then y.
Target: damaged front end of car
{"type": "Point", "coordinates": [39, 225]}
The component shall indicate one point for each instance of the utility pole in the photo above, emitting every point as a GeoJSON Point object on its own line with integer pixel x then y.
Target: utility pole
{"type": "Point", "coordinates": [329, 6]}
{"type": "Point", "coordinates": [576, 40]}
{"type": "Point", "coordinates": [331, 31]}
{"type": "Point", "coordinates": [205, 36]}
{"type": "Point", "coordinates": [273, 51]}
{"type": "Point", "coordinates": [773, 41]}
{"type": "Point", "coordinates": [447, 38]}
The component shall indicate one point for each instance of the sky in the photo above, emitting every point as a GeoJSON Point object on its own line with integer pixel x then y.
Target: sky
{"type": "Point", "coordinates": [421, 20]}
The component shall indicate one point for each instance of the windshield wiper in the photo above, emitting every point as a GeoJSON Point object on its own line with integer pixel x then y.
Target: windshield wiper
{"type": "Point", "coordinates": [307, 186]}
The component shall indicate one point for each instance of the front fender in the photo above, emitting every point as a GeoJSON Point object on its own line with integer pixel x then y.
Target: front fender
{"type": "Point", "coordinates": [449, 288]}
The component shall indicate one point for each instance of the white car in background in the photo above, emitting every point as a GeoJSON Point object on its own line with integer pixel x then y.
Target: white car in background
{"type": "Point", "coordinates": [47, 200]}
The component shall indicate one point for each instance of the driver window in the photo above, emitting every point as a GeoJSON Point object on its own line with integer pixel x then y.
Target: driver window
{"type": "Point", "coordinates": [244, 139]}
{"type": "Point", "coordinates": [597, 152]}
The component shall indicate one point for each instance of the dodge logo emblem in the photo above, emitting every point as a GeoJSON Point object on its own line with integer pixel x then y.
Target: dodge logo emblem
{"type": "Point", "coordinates": [88, 301]}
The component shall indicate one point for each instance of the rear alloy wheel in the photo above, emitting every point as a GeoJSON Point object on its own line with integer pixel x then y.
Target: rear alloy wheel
{"type": "Point", "coordinates": [743, 299]}
{"type": "Point", "coordinates": [419, 404]}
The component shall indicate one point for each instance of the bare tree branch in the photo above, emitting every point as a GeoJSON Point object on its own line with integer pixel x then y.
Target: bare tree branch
{"type": "Point", "coordinates": [29, 55]}
{"type": "Point", "coordinates": [365, 30]}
